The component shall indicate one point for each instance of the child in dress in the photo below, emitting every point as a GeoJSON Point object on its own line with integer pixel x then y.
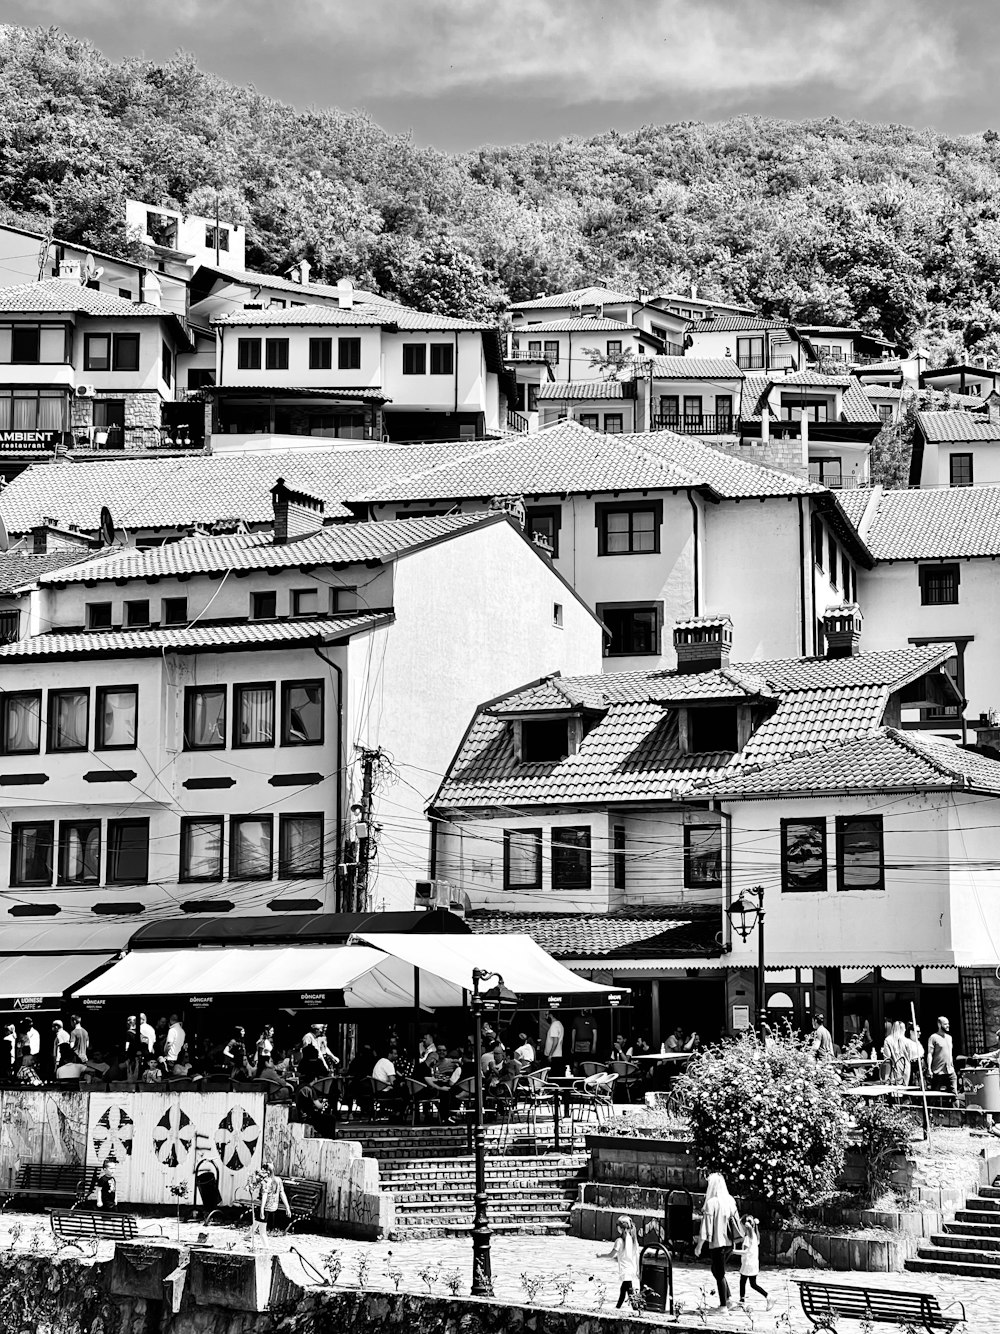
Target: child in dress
{"type": "Point", "coordinates": [750, 1263]}
{"type": "Point", "coordinates": [626, 1252]}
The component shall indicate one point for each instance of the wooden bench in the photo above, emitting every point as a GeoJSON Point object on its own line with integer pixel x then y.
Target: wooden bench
{"type": "Point", "coordinates": [68, 1181]}
{"type": "Point", "coordinates": [305, 1198]}
{"type": "Point", "coordinates": [76, 1225]}
{"type": "Point", "coordinates": [822, 1302]}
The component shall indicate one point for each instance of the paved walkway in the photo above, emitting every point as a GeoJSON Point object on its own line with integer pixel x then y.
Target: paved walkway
{"type": "Point", "coordinates": [547, 1259]}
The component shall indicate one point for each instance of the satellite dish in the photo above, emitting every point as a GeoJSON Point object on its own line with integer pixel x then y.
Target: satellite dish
{"type": "Point", "coordinates": [4, 539]}
{"type": "Point", "coordinates": [107, 527]}
{"type": "Point", "coordinates": [90, 269]}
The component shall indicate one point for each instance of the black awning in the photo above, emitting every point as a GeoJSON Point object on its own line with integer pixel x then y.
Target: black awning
{"type": "Point", "coordinates": [292, 928]}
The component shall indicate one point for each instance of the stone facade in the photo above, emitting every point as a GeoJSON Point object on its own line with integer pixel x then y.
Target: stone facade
{"type": "Point", "coordinates": [143, 410]}
{"type": "Point", "coordinates": [778, 454]}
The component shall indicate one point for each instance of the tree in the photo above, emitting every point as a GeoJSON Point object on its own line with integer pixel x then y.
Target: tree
{"type": "Point", "coordinates": [770, 1118]}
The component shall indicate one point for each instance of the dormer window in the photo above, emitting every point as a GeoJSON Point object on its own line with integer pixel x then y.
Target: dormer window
{"type": "Point", "coordinates": [713, 729]}
{"type": "Point", "coordinates": [545, 741]}
{"type": "Point", "coordinates": [815, 409]}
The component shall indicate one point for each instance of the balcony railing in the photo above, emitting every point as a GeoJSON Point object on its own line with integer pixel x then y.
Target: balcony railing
{"type": "Point", "coordinates": [516, 421]}
{"type": "Point", "coordinates": [673, 349]}
{"type": "Point", "coordinates": [837, 480]}
{"type": "Point", "coordinates": [783, 361]}
{"type": "Point", "coordinates": [751, 363]}
{"type": "Point", "coordinates": [704, 424]}
{"type": "Point", "coordinates": [521, 354]}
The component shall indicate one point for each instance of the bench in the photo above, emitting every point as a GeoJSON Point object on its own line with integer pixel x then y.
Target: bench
{"type": "Point", "coordinates": [306, 1199]}
{"type": "Point", "coordinates": [822, 1302]}
{"type": "Point", "coordinates": [68, 1181]}
{"type": "Point", "coordinates": [72, 1226]}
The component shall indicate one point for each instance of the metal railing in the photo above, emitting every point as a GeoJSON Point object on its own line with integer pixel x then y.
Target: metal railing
{"type": "Point", "coordinates": [672, 349]}
{"type": "Point", "coordinates": [522, 354]}
{"type": "Point", "coordinates": [703, 424]}
{"type": "Point", "coordinates": [516, 421]}
{"type": "Point", "coordinates": [784, 361]}
{"type": "Point", "coordinates": [751, 363]}
{"type": "Point", "coordinates": [837, 481]}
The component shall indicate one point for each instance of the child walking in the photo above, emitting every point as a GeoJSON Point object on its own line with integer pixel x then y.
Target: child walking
{"type": "Point", "coordinates": [750, 1263]}
{"type": "Point", "coordinates": [626, 1252]}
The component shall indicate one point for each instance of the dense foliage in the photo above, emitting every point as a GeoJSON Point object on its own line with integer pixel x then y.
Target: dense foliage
{"type": "Point", "coordinates": [771, 1119]}
{"type": "Point", "coordinates": [898, 229]}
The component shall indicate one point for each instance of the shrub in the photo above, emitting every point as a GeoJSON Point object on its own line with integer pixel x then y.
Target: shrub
{"type": "Point", "coordinates": [771, 1119]}
{"type": "Point", "coordinates": [882, 1132]}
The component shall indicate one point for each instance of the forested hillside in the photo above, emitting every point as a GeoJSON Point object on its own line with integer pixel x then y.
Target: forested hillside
{"type": "Point", "coordinates": [824, 220]}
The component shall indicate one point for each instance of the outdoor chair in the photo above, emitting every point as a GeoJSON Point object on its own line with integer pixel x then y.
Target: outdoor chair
{"type": "Point", "coordinates": [530, 1093]}
{"type": "Point", "coordinates": [592, 1068]}
{"type": "Point", "coordinates": [629, 1077]}
{"type": "Point", "coordinates": [420, 1095]}
{"type": "Point", "coordinates": [591, 1098]}
{"type": "Point", "coordinates": [383, 1098]}
{"type": "Point", "coordinates": [216, 1084]}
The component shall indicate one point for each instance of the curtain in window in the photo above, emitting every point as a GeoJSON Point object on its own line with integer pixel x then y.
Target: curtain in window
{"type": "Point", "coordinates": [203, 850]}
{"type": "Point", "coordinates": [6, 412]}
{"type": "Point", "coordinates": [207, 722]}
{"type": "Point", "coordinates": [69, 720]}
{"type": "Point", "coordinates": [82, 854]}
{"type": "Point", "coordinates": [50, 412]}
{"type": "Point", "coordinates": [128, 852]}
{"type": "Point", "coordinates": [33, 855]}
{"type": "Point", "coordinates": [251, 850]}
{"type": "Point", "coordinates": [304, 719]}
{"type": "Point", "coordinates": [119, 718]}
{"type": "Point", "coordinates": [22, 723]}
{"type": "Point", "coordinates": [256, 716]}
{"type": "Point", "coordinates": [302, 853]}
{"type": "Point", "coordinates": [26, 413]}
{"type": "Point", "coordinates": [523, 857]}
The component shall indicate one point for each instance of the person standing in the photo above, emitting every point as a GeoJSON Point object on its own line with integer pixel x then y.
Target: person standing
{"type": "Point", "coordinates": [79, 1038]}
{"type": "Point", "coordinates": [914, 1052]}
{"type": "Point", "coordinates": [60, 1038]}
{"type": "Point", "coordinates": [8, 1052]}
{"type": "Point", "coordinates": [941, 1059]}
{"type": "Point", "coordinates": [554, 1038]}
{"type": "Point", "coordinates": [626, 1252]}
{"type": "Point", "coordinates": [268, 1198]}
{"type": "Point", "coordinates": [33, 1040]}
{"type": "Point", "coordinates": [173, 1043]}
{"type": "Point", "coordinates": [583, 1038]}
{"type": "Point", "coordinates": [750, 1258]}
{"type": "Point", "coordinates": [822, 1040]}
{"type": "Point", "coordinates": [896, 1056]}
{"type": "Point", "coordinates": [720, 1230]}
{"type": "Point", "coordinates": [147, 1034]}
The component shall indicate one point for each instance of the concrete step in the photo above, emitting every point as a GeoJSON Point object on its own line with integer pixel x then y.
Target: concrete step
{"type": "Point", "coordinates": [976, 1216]}
{"type": "Point", "coordinates": [973, 1229]}
{"type": "Point", "coordinates": [965, 1241]}
{"type": "Point", "coordinates": [459, 1205]}
{"type": "Point", "coordinates": [962, 1268]}
{"type": "Point", "coordinates": [964, 1256]}
{"type": "Point", "coordinates": [984, 1203]}
{"type": "Point", "coordinates": [419, 1232]}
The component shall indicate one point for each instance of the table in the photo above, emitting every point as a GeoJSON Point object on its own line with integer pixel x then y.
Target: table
{"type": "Point", "coordinates": [665, 1056]}
{"type": "Point", "coordinates": [879, 1090]}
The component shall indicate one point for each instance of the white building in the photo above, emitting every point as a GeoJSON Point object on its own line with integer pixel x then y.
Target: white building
{"type": "Point", "coordinates": [754, 342]}
{"type": "Point", "coordinates": [955, 448]}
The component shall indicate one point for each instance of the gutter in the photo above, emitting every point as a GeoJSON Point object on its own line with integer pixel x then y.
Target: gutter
{"type": "Point", "coordinates": [339, 773]}
{"type": "Point", "coordinates": [697, 562]}
{"type": "Point", "coordinates": [802, 581]}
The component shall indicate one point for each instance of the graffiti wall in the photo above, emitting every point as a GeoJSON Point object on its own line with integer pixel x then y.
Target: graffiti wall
{"type": "Point", "coordinates": [41, 1126]}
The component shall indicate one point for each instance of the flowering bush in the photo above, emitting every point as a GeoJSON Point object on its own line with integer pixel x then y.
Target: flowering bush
{"type": "Point", "coordinates": [771, 1119]}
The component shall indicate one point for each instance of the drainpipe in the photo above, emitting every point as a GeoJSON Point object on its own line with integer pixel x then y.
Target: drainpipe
{"type": "Point", "coordinates": [727, 874]}
{"type": "Point", "coordinates": [697, 562]}
{"type": "Point", "coordinates": [339, 775]}
{"type": "Point", "coordinates": [802, 579]}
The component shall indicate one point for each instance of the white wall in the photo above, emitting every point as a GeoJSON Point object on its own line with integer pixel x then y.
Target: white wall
{"type": "Point", "coordinates": [574, 362]}
{"type": "Point", "coordinates": [152, 335]}
{"type": "Point", "coordinates": [298, 373]}
{"type": "Point", "coordinates": [935, 468]}
{"type": "Point", "coordinates": [468, 381]}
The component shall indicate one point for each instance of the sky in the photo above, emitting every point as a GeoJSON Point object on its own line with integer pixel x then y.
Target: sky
{"type": "Point", "coordinates": [460, 73]}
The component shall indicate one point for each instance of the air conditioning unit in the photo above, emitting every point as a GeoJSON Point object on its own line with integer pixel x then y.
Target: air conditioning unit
{"type": "Point", "coordinates": [439, 894]}
{"type": "Point", "coordinates": [85, 391]}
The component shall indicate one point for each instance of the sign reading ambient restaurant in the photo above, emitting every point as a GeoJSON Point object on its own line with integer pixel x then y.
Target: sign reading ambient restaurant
{"type": "Point", "coordinates": [29, 439]}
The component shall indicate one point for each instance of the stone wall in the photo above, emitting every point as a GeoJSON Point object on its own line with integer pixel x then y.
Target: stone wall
{"type": "Point", "coordinates": [143, 415]}
{"type": "Point", "coordinates": [780, 455]}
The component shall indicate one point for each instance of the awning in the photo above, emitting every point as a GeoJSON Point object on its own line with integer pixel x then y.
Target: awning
{"type": "Point", "coordinates": [289, 928]}
{"type": "Point", "coordinates": [445, 963]}
{"type": "Point", "coordinates": [27, 980]}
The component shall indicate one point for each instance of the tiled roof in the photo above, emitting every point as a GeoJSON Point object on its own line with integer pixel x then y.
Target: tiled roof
{"type": "Point", "coordinates": [580, 296]}
{"type": "Point", "coordinates": [854, 502]}
{"type": "Point", "coordinates": [582, 389]}
{"type": "Point", "coordinates": [20, 569]}
{"type": "Point", "coordinates": [251, 278]}
{"type": "Point", "coordinates": [631, 753]}
{"type": "Point", "coordinates": [940, 426]}
{"type": "Point", "coordinates": [143, 643]}
{"type": "Point", "coordinates": [685, 299]}
{"type": "Point", "coordinates": [983, 372]}
{"type": "Point", "coordinates": [809, 376]}
{"type": "Point", "coordinates": [696, 368]}
{"type": "Point", "coordinates": [56, 295]}
{"type": "Point", "coordinates": [856, 406]}
{"type": "Point", "coordinates": [371, 393]}
{"type": "Point", "coordinates": [625, 934]}
{"type": "Point", "coordinates": [362, 313]}
{"type": "Point", "coordinates": [933, 524]}
{"type": "Point", "coordinates": [737, 324]}
{"type": "Point", "coordinates": [340, 544]}
{"type": "Point", "coordinates": [582, 325]}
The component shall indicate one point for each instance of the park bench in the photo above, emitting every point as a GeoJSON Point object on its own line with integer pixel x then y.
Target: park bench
{"type": "Point", "coordinates": [823, 1302]}
{"type": "Point", "coordinates": [74, 1226]}
{"type": "Point", "coordinates": [306, 1199]}
{"type": "Point", "coordinates": [52, 1181]}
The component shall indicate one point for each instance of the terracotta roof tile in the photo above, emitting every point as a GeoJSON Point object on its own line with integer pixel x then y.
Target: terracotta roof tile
{"type": "Point", "coordinates": [942, 426]}
{"type": "Point", "coordinates": [934, 524]}
{"type": "Point", "coordinates": [56, 295]}
{"type": "Point", "coordinates": [737, 324]}
{"type": "Point", "coordinates": [20, 569]}
{"type": "Point", "coordinates": [628, 934]}
{"type": "Point", "coordinates": [583, 324]}
{"type": "Point", "coordinates": [361, 313]}
{"type": "Point", "coordinates": [576, 390]}
{"type": "Point", "coordinates": [579, 296]}
{"type": "Point", "coordinates": [696, 368]}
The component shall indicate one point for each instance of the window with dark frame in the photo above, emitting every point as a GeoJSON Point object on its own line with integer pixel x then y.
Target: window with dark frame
{"type": "Point", "coordinates": [166, 363]}
{"type": "Point", "coordinates": [205, 718]}
{"type": "Point", "coordinates": [250, 851]}
{"type": "Point", "coordinates": [248, 354]}
{"type": "Point", "coordinates": [544, 740]}
{"type": "Point", "coordinates": [321, 354]}
{"type": "Point", "coordinates": [174, 611]}
{"type": "Point", "coordinates": [817, 540]}
{"type": "Point", "coordinates": [442, 359]}
{"type": "Point", "coordinates": [263, 606]}
{"type": "Point", "coordinates": [79, 858]}
{"type": "Point", "coordinates": [96, 352]}
{"type": "Point", "coordinates": [10, 627]}
{"type": "Point", "coordinates": [301, 713]}
{"type": "Point", "coordinates": [127, 861]}
{"type": "Point", "coordinates": [116, 717]}
{"type": "Point", "coordinates": [21, 722]}
{"type": "Point", "coordinates": [702, 856]}
{"type": "Point", "coordinates": [109, 420]}
{"type": "Point", "coordinates": [627, 529]}
{"type": "Point", "coordinates": [201, 848]}
{"type": "Point", "coordinates": [670, 405]}
{"type": "Point", "coordinates": [349, 354]}
{"type": "Point", "coordinates": [614, 423]}
{"type": "Point", "coordinates": [305, 601]}
{"type": "Point", "coordinates": [551, 351]}
{"type": "Point", "coordinates": [414, 358]}
{"type": "Point", "coordinates": [803, 855]}
{"type": "Point", "coordinates": [545, 522]}
{"type": "Point", "coordinates": [591, 420]}
{"type": "Point", "coordinates": [31, 852]}
{"type": "Point", "coordinates": [532, 397]}
{"type": "Point", "coordinates": [571, 857]}
{"type": "Point", "coordinates": [98, 615]}
{"type": "Point", "coordinates": [136, 612]}
{"type": "Point", "coordinates": [276, 354]}
{"type": "Point", "coordinates": [522, 859]}
{"type": "Point", "coordinates": [938, 585]}
{"type": "Point", "coordinates": [614, 347]}
{"type": "Point", "coordinates": [634, 628]}
{"type": "Point", "coordinates": [860, 853]}
{"type": "Point", "coordinates": [618, 853]}
{"type": "Point", "coordinates": [300, 846]}
{"type": "Point", "coordinates": [253, 715]}
{"type": "Point", "coordinates": [125, 352]}
{"type": "Point", "coordinates": [25, 344]}
{"type": "Point", "coordinates": [692, 409]}
{"type": "Point", "coordinates": [960, 469]}
{"type": "Point", "coordinates": [723, 408]}
{"type": "Point", "coordinates": [68, 720]}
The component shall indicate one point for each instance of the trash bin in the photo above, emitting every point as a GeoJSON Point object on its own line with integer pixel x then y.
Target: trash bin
{"type": "Point", "coordinates": [678, 1222]}
{"type": "Point", "coordinates": [656, 1279]}
{"type": "Point", "coordinates": [981, 1087]}
{"type": "Point", "coordinates": [206, 1180]}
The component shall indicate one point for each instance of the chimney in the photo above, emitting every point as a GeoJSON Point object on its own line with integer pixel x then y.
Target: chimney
{"type": "Point", "coordinates": [694, 291]}
{"type": "Point", "coordinates": [295, 513]}
{"type": "Point", "coordinates": [703, 643]}
{"type": "Point", "coordinates": [303, 269]}
{"type": "Point", "coordinates": [643, 293]}
{"type": "Point", "coordinates": [70, 271]}
{"type": "Point", "coordinates": [345, 293]}
{"type": "Point", "coordinates": [765, 425]}
{"type": "Point", "coordinates": [842, 630]}
{"type": "Point", "coordinates": [804, 438]}
{"type": "Point", "coordinates": [150, 290]}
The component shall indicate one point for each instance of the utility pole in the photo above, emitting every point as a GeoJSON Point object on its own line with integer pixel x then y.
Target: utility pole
{"type": "Point", "coordinates": [364, 831]}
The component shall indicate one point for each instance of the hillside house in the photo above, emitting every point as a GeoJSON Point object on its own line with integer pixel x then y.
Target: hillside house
{"type": "Point", "coordinates": [955, 448]}
{"type": "Point", "coordinates": [754, 342]}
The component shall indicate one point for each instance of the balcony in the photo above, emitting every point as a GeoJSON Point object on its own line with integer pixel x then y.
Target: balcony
{"type": "Point", "coordinates": [516, 421]}
{"type": "Point", "coordinates": [836, 479]}
{"type": "Point", "coordinates": [519, 354]}
{"type": "Point", "coordinates": [751, 363]}
{"type": "Point", "coordinates": [784, 361]}
{"type": "Point", "coordinates": [704, 424]}
{"type": "Point", "coordinates": [673, 350]}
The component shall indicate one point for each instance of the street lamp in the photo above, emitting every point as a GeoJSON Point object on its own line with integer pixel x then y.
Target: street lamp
{"type": "Point", "coordinates": [746, 913]}
{"type": "Point", "coordinates": [482, 1266]}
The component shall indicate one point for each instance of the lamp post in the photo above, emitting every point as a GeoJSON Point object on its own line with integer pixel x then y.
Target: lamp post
{"type": "Point", "coordinates": [746, 913]}
{"type": "Point", "coordinates": [482, 1266]}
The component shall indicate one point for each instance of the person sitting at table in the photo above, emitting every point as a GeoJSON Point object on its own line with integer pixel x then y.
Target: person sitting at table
{"type": "Point", "coordinates": [637, 1047]}
{"type": "Point", "coordinates": [677, 1042]}
{"type": "Point", "coordinates": [267, 1074]}
{"type": "Point", "coordinates": [445, 1079]}
{"type": "Point", "coordinates": [68, 1063]}
{"type": "Point", "coordinates": [493, 1060]}
{"type": "Point", "coordinates": [524, 1053]}
{"type": "Point", "coordinates": [619, 1050]}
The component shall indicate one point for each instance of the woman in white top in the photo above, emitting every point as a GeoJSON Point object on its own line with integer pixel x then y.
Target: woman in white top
{"type": "Point", "coordinates": [268, 1196]}
{"type": "Point", "coordinates": [626, 1252]}
{"type": "Point", "coordinates": [720, 1227]}
{"type": "Point", "coordinates": [750, 1258]}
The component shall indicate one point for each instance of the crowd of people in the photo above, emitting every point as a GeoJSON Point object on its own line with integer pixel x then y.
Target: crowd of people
{"type": "Point", "coordinates": [902, 1059]}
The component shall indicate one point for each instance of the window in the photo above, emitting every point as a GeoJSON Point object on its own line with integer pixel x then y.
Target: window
{"type": "Point", "coordinates": [670, 405]}
{"type": "Point", "coordinates": [263, 606]}
{"type": "Point", "coordinates": [31, 853]}
{"type": "Point", "coordinates": [803, 855]}
{"type": "Point", "coordinates": [349, 354]}
{"type": "Point", "coordinates": [109, 422]}
{"type": "Point", "coordinates": [305, 601]}
{"type": "Point", "coordinates": [216, 237]}
{"type": "Point", "coordinates": [938, 584]}
{"type": "Point", "coordinates": [199, 378]}
{"type": "Point", "coordinates": [414, 359]}
{"type": "Point", "coordinates": [960, 469]}
{"type": "Point", "coordinates": [98, 615]}
{"type": "Point", "coordinates": [692, 409]}
{"type": "Point", "coordinates": [817, 540]}
{"type": "Point", "coordinates": [545, 741]}
{"type": "Point", "coordinates": [534, 347]}
{"type": "Point", "coordinates": [248, 354]}
{"type": "Point", "coordinates": [614, 347]}
{"type": "Point", "coordinates": [618, 856]}
{"type": "Point", "coordinates": [250, 855]}
{"type": "Point", "coordinates": [634, 628]}
{"type": "Point", "coordinates": [885, 413]}
{"type": "Point", "coordinates": [33, 344]}
{"type": "Point", "coordinates": [137, 612]}
{"type": "Point", "coordinates": [201, 848]}
{"type": "Point", "coordinates": [116, 712]}
{"type": "Point", "coordinates": [591, 420]}
{"type": "Point", "coordinates": [344, 599]}
{"type": "Point", "coordinates": [276, 354]}
{"type": "Point", "coordinates": [713, 729]}
{"type": "Point", "coordinates": [128, 852]}
{"type": "Point", "coordinates": [79, 852]}
{"type": "Point", "coordinates": [860, 862]}
{"type": "Point", "coordinates": [750, 354]}
{"type": "Point", "coordinates": [321, 354]}
{"type": "Point", "coordinates": [442, 359]}
{"type": "Point", "coordinates": [166, 363]}
{"type": "Point", "coordinates": [205, 718]}
{"type": "Point", "coordinates": [33, 409]}
{"type": "Point", "coordinates": [125, 293]}
{"type": "Point", "coordinates": [702, 856]}
{"type": "Point", "coordinates": [522, 859]}
{"type": "Point", "coordinates": [544, 522]}
{"type": "Point", "coordinates": [301, 713]}
{"type": "Point", "coordinates": [551, 351]}
{"type": "Point", "coordinates": [571, 858]}
{"type": "Point", "coordinates": [813, 409]}
{"type": "Point", "coordinates": [628, 529]}
{"type": "Point", "coordinates": [96, 352]}
{"type": "Point", "coordinates": [834, 566]}
{"type": "Point", "coordinates": [253, 715]}
{"type": "Point", "coordinates": [21, 716]}
{"type": "Point", "coordinates": [174, 611]}
{"type": "Point", "coordinates": [10, 626]}
{"type": "Point", "coordinates": [557, 613]}
{"type": "Point", "coordinates": [532, 397]}
{"type": "Point", "coordinates": [613, 423]}
{"type": "Point", "coordinates": [125, 352]}
{"type": "Point", "coordinates": [25, 344]}
{"type": "Point", "coordinates": [69, 719]}
{"type": "Point", "coordinates": [300, 846]}
{"type": "Point", "coordinates": [724, 407]}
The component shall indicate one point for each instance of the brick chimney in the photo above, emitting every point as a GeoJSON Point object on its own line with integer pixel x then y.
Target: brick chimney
{"type": "Point", "coordinates": [703, 643]}
{"type": "Point", "coordinates": [842, 630]}
{"type": "Point", "coordinates": [295, 513]}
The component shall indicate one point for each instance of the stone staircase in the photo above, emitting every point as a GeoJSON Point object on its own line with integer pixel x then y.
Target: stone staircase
{"type": "Point", "coordinates": [430, 1172]}
{"type": "Point", "coordinates": [969, 1245]}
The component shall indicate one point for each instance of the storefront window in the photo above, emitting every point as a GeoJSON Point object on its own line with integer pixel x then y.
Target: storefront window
{"type": "Point", "coordinates": [32, 410]}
